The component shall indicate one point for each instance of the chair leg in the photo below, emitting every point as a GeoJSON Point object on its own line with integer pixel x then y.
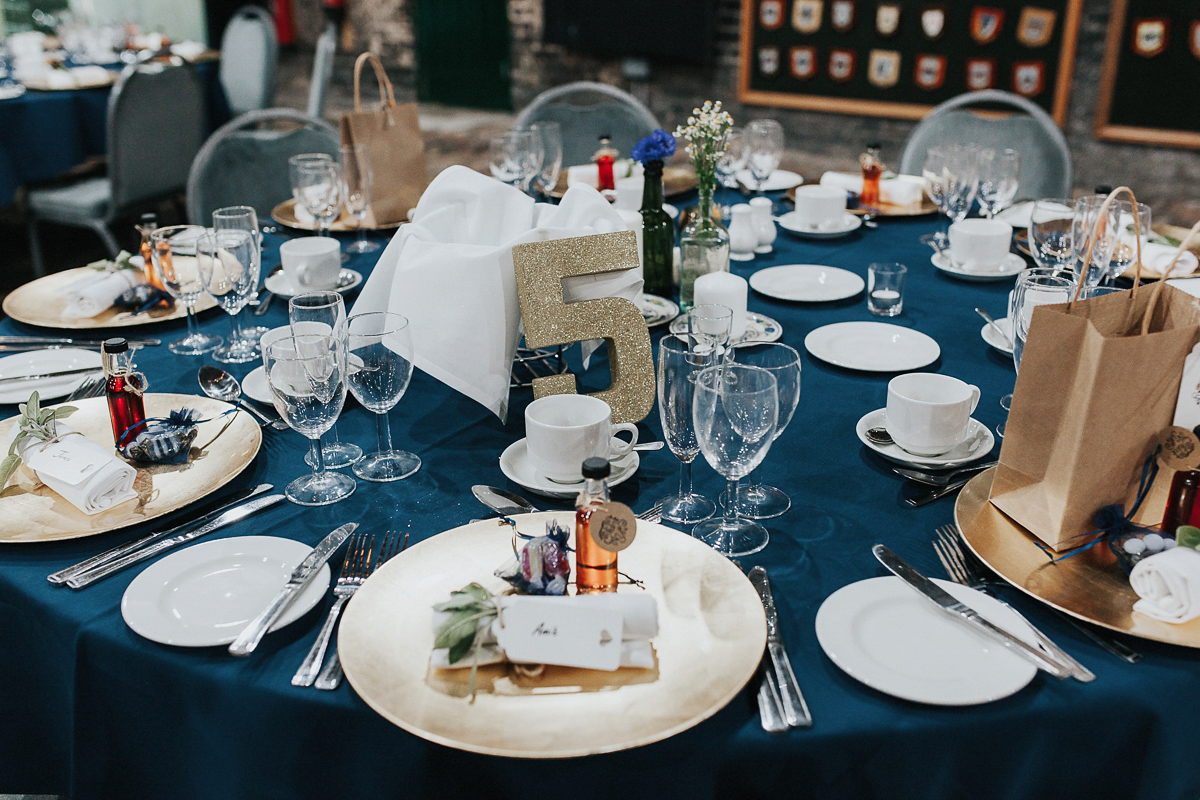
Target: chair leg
{"type": "Point", "coordinates": [105, 234]}
{"type": "Point", "coordinates": [35, 249]}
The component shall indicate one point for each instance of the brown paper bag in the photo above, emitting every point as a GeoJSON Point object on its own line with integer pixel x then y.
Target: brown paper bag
{"type": "Point", "coordinates": [1097, 383]}
{"type": "Point", "coordinates": [393, 136]}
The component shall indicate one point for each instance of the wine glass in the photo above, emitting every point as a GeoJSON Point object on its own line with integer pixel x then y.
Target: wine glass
{"type": "Point", "coordinates": [680, 359]}
{"type": "Point", "coordinates": [550, 136]}
{"type": "Point", "coordinates": [173, 250]}
{"type": "Point", "coordinates": [962, 180]}
{"type": "Point", "coordinates": [757, 500]}
{"type": "Point", "coordinates": [379, 368]}
{"type": "Point", "coordinates": [511, 159]}
{"type": "Point", "coordinates": [999, 172]}
{"type": "Point", "coordinates": [228, 266]}
{"type": "Point", "coordinates": [1125, 248]}
{"type": "Point", "coordinates": [735, 411]}
{"type": "Point", "coordinates": [308, 388]}
{"type": "Point", "coordinates": [1094, 227]}
{"type": "Point", "coordinates": [317, 186]}
{"type": "Point", "coordinates": [934, 173]}
{"type": "Point", "coordinates": [764, 149]}
{"type": "Point", "coordinates": [732, 159]}
{"type": "Point", "coordinates": [1035, 287]}
{"type": "Point", "coordinates": [324, 313]}
{"type": "Point", "coordinates": [356, 172]}
{"type": "Point", "coordinates": [1050, 239]}
{"type": "Point", "coordinates": [243, 218]}
{"type": "Point", "coordinates": [714, 321]}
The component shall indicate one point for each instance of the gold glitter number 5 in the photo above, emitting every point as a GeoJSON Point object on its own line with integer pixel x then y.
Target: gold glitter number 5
{"type": "Point", "coordinates": [549, 320]}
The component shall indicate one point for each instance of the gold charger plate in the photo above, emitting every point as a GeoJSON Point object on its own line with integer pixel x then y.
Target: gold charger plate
{"type": "Point", "coordinates": [31, 512]}
{"type": "Point", "coordinates": [711, 638]}
{"type": "Point", "coordinates": [41, 302]}
{"type": "Point", "coordinates": [676, 180]}
{"type": "Point", "coordinates": [285, 214]}
{"type": "Point", "coordinates": [1078, 585]}
{"type": "Point", "coordinates": [926, 206]}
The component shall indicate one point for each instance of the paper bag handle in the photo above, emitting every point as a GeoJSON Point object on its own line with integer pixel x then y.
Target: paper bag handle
{"type": "Point", "coordinates": [387, 97]}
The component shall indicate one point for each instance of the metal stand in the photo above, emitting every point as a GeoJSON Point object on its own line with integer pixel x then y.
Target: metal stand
{"type": "Point", "coordinates": [531, 364]}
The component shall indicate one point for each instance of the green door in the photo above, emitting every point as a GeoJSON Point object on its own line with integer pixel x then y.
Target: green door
{"type": "Point", "coordinates": [463, 56]}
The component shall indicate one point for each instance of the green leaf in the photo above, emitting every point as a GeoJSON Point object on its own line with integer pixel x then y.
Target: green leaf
{"type": "Point", "coordinates": [64, 411]}
{"type": "Point", "coordinates": [45, 416]}
{"type": "Point", "coordinates": [1187, 536]}
{"type": "Point", "coordinates": [33, 406]}
{"type": "Point", "coordinates": [461, 623]}
{"type": "Point", "coordinates": [458, 601]}
{"type": "Point", "coordinates": [460, 649]}
{"type": "Point", "coordinates": [7, 467]}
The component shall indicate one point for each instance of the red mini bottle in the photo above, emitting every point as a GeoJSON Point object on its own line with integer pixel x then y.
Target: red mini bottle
{"type": "Point", "coordinates": [605, 157]}
{"type": "Point", "coordinates": [124, 390]}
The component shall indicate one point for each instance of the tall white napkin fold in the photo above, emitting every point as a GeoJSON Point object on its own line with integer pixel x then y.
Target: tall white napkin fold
{"type": "Point", "coordinates": [902, 190]}
{"type": "Point", "coordinates": [1168, 584]}
{"type": "Point", "coordinates": [87, 475]}
{"type": "Point", "coordinates": [95, 293]}
{"type": "Point", "coordinates": [450, 271]}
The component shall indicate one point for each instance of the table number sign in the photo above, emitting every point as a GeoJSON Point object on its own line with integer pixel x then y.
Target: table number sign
{"type": "Point", "coordinates": [549, 320]}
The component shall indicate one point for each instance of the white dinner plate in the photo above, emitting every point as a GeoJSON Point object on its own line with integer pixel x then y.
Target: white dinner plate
{"type": "Point", "coordinates": [657, 310]}
{"type": "Point", "coordinates": [778, 181]}
{"type": "Point", "coordinates": [996, 340]}
{"type": "Point", "coordinates": [254, 386]}
{"type": "Point", "coordinates": [979, 443]}
{"type": "Point", "coordinates": [846, 224]}
{"type": "Point", "coordinates": [206, 594]}
{"type": "Point", "coordinates": [1012, 265]}
{"type": "Point", "coordinates": [806, 283]}
{"type": "Point", "coordinates": [516, 466]}
{"type": "Point", "coordinates": [881, 632]}
{"type": "Point", "coordinates": [872, 346]}
{"type": "Point", "coordinates": [279, 283]}
{"type": "Point", "coordinates": [759, 328]}
{"type": "Point", "coordinates": [41, 361]}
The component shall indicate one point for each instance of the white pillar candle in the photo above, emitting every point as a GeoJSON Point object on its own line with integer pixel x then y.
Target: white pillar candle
{"type": "Point", "coordinates": [727, 289]}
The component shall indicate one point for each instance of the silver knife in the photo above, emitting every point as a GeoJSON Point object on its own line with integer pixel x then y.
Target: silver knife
{"type": "Point", "coordinates": [61, 576]}
{"type": "Point", "coordinates": [59, 374]}
{"type": "Point", "coordinates": [249, 638]}
{"type": "Point", "coordinates": [53, 341]}
{"type": "Point", "coordinates": [770, 709]}
{"type": "Point", "coordinates": [961, 611]}
{"type": "Point", "coordinates": [795, 710]}
{"type": "Point", "coordinates": [90, 576]}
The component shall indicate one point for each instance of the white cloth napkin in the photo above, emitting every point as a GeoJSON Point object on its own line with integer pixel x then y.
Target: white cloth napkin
{"type": "Point", "coordinates": [1156, 258]}
{"type": "Point", "coordinates": [188, 50]}
{"type": "Point", "coordinates": [902, 190]}
{"type": "Point", "coordinates": [89, 74]}
{"type": "Point", "coordinates": [450, 271]}
{"type": "Point", "coordinates": [87, 475]}
{"type": "Point", "coordinates": [1168, 584]}
{"type": "Point", "coordinates": [93, 294]}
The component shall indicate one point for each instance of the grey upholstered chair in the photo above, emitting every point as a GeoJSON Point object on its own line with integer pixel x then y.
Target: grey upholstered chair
{"type": "Point", "coordinates": [1045, 158]}
{"type": "Point", "coordinates": [249, 54]}
{"type": "Point", "coordinates": [322, 71]}
{"type": "Point", "coordinates": [147, 162]}
{"type": "Point", "coordinates": [586, 111]}
{"type": "Point", "coordinates": [244, 162]}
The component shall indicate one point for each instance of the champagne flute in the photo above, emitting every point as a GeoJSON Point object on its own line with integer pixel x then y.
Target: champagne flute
{"type": "Point", "coordinates": [735, 411]}
{"type": "Point", "coordinates": [962, 180]}
{"type": "Point", "coordinates": [680, 359]}
{"type": "Point", "coordinates": [550, 136]}
{"type": "Point", "coordinates": [243, 218]}
{"type": "Point", "coordinates": [1125, 248]}
{"type": "Point", "coordinates": [324, 313]}
{"type": "Point", "coordinates": [505, 159]}
{"type": "Point", "coordinates": [356, 172]}
{"type": "Point", "coordinates": [173, 251]}
{"type": "Point", "coordinates": [316, 185]}
{"type": "Point", "coordinates": [1094, 227]}
{"type": "Point", "coordinates": [764, 149]}
{"type": "Point", "coordinates": [380, 365]}
{"type": "Point", "coordinates": [934, 173]}
{"type": "Point", "coordinates": [999, 171]}
{"type": "Point", "coordinates": [732, 159]}
{"type": "Point", "coordinates": [308, 388]}
{"type": "Point", "coordinates": [228, 264]}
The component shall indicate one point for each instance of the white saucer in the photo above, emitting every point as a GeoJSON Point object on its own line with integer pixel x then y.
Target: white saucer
{"type": "Point", "coordinates": [848, 223]}
{"type": "Point", "coordinates": [1013, 264]}
{"type": "Point", "coordinates": [806, 283]}
{"type": "Point", "coordinates": [204, 595]}
{"type": "Point", "coordinates": [40, 361]}
{"type": "Point", "coordinates": [278, 283]}
{"type": "Point", "coordinates": [979, 443]}
{"type": "Point", "coordinates": [759, 328]}
{"type": "Point", "coordinates": [9, 92]}
{"type": "Point", "coordinates": [881, 632]}
{"type": "Point", "coordinates": [515, 464]}
{"type": "Point", "coordinates": [657, 310]}
{"type": "Point", "coordinates": [778, 181]}
{"type": "Point", "coordinates": [872, 346]}
{"type": "Point", "coordinates": [994, 339]}
{"type": "Point", "coordinates": [254, 386]}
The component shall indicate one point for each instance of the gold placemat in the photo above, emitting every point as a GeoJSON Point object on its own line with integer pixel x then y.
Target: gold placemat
{"type": "Point", "coordinates": [676, 180]}
{"type": "Point", "coordinates": [926, 206]}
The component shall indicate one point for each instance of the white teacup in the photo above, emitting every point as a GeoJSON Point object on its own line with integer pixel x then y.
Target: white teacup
{"type": "Point", "coordinates": [562, 430]}
{"type": "Point", "coordinates": [312, 263]}
{"type": "Point", "coordinates": [978, 245]}
{"type": "Point", "coordinates": [819, 206]}
{"type": "Point", "coordinates": [929, 414]}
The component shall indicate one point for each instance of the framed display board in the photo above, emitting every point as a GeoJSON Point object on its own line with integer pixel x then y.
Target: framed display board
{"type": "Point", "coordinates": [900, 58]}
{"type": "Point", "coordinates": [1151, 59]}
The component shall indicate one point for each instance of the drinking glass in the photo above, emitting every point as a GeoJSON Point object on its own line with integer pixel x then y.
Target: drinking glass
{"type": "Point", "coordinates": [934, 173]}
{"type": "Point", "coordinates": [357, 175]}
{"type": "Point", "coordinates": [735, 410]}
{"type": "Point", "coordinates": [962, 180]}
{"type": "Point", "coordinates": [379, 368]}
{"type": "Point", "coordinates": [306, 378]}
{"type": "Point", "coordinates": [1124, 252]}
{"type": "Point", "coordinates": [1050, 239]}
{"type": "Point", "coordinates": [764, 149]}
{"type": "Point", "coordinates": [1035, 287]}
{"type": "Point", "coordinates": [714, 321]}
{"type": "Point", "coordinates": [999, 173]}
{"type": "Point", "coordinates": [228, 264]}
{"type": "Point", "coordinates": [317, 186]}
{"type": "Point", "coordinates": [1094, 229]}
{"type": "Point", "coordinates": [758, 500]}
{"type": "Point", "coordinates": [243, 218]}
{"type": "Point", "coordinates": [733, 159]}
{"type": "Point", "coordinates": [515, 158]}
{"type": "Point", "coordinates": [324, 313]}
{"type": "Point", "coordinates": [173, 250]}
{"type": "Point", "coordinates": [680, 359]}
{"type": "Point", "coordinates": [550, 136]}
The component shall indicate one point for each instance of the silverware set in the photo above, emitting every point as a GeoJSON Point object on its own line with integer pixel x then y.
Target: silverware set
{"type": "Point", "coordinates": [91, 387]}
{"type": "Point", "coordinates": [942, 483]}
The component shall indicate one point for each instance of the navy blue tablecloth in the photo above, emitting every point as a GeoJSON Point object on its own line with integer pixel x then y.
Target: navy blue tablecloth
{"type": "Point", "coordinates": [90, 709]}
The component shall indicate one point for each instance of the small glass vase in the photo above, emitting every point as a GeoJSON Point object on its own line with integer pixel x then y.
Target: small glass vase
{"type": "Point", "coordinates": [658, 235]}
{"type": "Point", "coordinates": [703, 245]}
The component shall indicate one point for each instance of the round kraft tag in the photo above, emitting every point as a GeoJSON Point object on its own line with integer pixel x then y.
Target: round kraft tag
{"type": "Point", "coordinates": [613, 527]}
{"type": "Point", "coordinates": [1180, 448]}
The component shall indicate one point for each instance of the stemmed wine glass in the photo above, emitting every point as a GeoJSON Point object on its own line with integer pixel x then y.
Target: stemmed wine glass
{"type": "Point", "coordinates": [999, 173]}
{"type": "Point", "coordinates": [1125, 249]}
{"type": "Point", "coordinates": [324, 313]}
{"type": "Point", "coordinates": [307, 382]}
{"type": "Point", "coordinates": [732, 159]}
{"type": "Point", "coordinates": [173, 250]}
{"type": "Point", "coordinates": [549, 134]}
{"type": "Point", "coordinates": [228, 266]}
{"type": "Point", "coordinates": [1094, 227]}
{"type": "Point", "coordinates": [1050, 239]}
{"type": "Point", "coordinates": [680, 359]}
{"type": "Point", "coordinates": [357, 175]}
{"type": "Point", "coordinates": [379, 368]}
{"type": "Point", "coordinates": [735, 411]}
{"type": "Point", "coordinates": [515, 158]}
{"type": "Point", "coordinates": [764, 149]}
{"type": "Point", "coordinates": [934, 173]}
{"type": "Point", "coordinates": [1035, 287]}
{"type": "Point", "coordinates": [317, 186]}
{"type": "Point", "coordinates": [243, 218]}
{"type": "Point", "coordinates": [962, 180]}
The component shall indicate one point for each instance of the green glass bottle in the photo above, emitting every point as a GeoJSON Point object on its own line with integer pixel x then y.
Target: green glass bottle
{"type": "Point", "coordinates": [658, 235]}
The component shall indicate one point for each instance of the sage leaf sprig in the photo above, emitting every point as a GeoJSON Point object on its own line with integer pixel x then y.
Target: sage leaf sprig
{"type": "Point", "coordinates": [122, 261]}
{"type": "Point", "coordinates": [471, 610]}
{"type": "Point", "coordinates": [36, 423]}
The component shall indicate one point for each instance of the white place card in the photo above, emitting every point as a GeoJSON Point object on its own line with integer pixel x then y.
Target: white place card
{"type": "Point", "coordinates": [545, 630]}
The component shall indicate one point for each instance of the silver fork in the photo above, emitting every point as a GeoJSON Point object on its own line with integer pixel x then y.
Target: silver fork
{"type": "Point", "coordinates": [331, 677]}
{"type": "Point", "coordinates": [652, 514]}
{"type": "Point", "coordinates": [954, 559]}
{"type": "Point", "coordinates": [354, 571]}
{"type": "Point", "coordinates": [91, 387]}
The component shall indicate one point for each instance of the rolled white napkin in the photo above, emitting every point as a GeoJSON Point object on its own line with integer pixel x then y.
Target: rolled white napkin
{"type": "Point", "coordinates": [89, 74]}
{"type": "Point", "coordinates": [1156, 258]}
{"type": "Point", "coordinates": [87, 475]}
{"type": "Point", "coordinates": [95, 293]}
{"type": "Point", "coordinates": [1168, 584]}
{"type": "Point", "coordinates": [902, 190]}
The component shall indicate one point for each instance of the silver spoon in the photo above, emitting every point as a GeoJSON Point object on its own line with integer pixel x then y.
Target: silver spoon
{"type": "Point", "coordinates": [1004, 336]}
{"type": "Point", "coordinates": [220, 385]}
{"type": "Point", "coordinates": [502, 502]}
{"type": "Point", "coordinates": [879, 436]}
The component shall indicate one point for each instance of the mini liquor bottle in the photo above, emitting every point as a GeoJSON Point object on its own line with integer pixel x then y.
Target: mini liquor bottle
{"type": "Point", "coordinates": [147, 226]}
{"type": "Point", "coordinates": [872, 168]}
{"type": "Point", "coordinates": [124, 390]}
{"type": "Point", "coordinates": [595, 567]}
{"type": "Point", "coordinates": [604, 158]}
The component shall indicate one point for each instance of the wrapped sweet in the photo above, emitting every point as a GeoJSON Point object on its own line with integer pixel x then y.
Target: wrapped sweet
{"type": "Point", "coordinates": [541, 565]}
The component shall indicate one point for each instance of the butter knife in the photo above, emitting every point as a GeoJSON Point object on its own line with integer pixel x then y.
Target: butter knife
{"type": "Point", "coordinates": [961, 611]}
{"type": "Point", "coordinates": [249, 638]}
{"type": "Point", "coordinates": [795, 710]}
{"type": "Point", "coordinates": [40, 375]}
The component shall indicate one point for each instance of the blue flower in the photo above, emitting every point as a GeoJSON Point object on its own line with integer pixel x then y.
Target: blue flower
{"type": "Point", "coordinates": [658, 146]}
